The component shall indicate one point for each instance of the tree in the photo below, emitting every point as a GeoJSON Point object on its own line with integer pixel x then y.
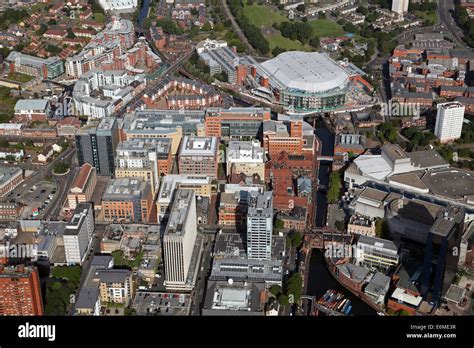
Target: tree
{"type": "Point", "coordinates": [295, 287]}
{"type": "Point", "coordinates": [147, 23]}
{"type": "Point", "coordinates": [206, 27]}
{"type": "Point", "coordinates": [42, 29]}
{"type": "Point", "coordinates": [275, 290]}
{"type": "Point", "coordinates": [381, 229]}
{"type": "Point", "coordinates": [61, 167]}
{"type": "Point", "coordinates": [314, 42]}
{"type": "Point", "coordinates": [70, 34]}
{"type": "Point", "coordinates": [277, 50]}
{"type": "Point", "coordinates": [334, 187]}
{"type": "Point", "coordinates": [279, 225]}
{"type": "Point", "coordinates": [295, 237]}
{"type": "Point", "coordinates": [362, 10]}
{"type": "Point", "coordinates": [301, 8]}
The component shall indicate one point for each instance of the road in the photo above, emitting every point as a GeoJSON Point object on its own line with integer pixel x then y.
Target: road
{"type": "Point", "coordinates": [237, 29]}
{"type": "Point", "coordinates": [445, 9]}
{"type": "Point", "coordinates": [204, 271]}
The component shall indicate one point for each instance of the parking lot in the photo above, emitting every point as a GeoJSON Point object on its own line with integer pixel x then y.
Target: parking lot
{"type": "Point", "coordinates": [159, 303]}
{"type": "Point", "coordinates": [33, 196]}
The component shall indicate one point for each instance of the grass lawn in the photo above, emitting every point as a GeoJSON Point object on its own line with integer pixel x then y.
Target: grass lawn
{"type": "Point", "coordinates": [427, 16]}
{"type": "Point", "coordinates": [283, 42]}
{"type": "Point", "coordinates": [260, 15]}
{"type": "Point", "coordinates": [14, 76]}
{"type": "Point", "coordinates": [326, 27]}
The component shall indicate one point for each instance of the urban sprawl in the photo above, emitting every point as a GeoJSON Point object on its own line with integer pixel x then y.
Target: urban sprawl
{"type": "Point", "coordinates": [236, 157]}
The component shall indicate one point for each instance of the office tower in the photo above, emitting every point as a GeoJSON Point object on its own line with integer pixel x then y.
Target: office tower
{"type": "Point", "coordinates": [400, 6]}
{"type": "Point", "coordinates": [442, 253]}
{"type": "Point", "coordinates": [179, 241]}
{"type": "Point", "coordinates": [78, 233]}
{"type": "Point", "coordinates": [260, 226]}
{"type": "Point", "coordinates": [449, 120]}
{"type": "Point", "coordinates": [20, 291]}
{"type": "Point", "coordinates": [96, 144]}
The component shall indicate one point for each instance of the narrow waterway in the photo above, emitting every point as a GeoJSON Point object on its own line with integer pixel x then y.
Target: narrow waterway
{"type": "Point", "coordinates": [143, 12]}
{"type": "Point", "coordinates": [320, 279]}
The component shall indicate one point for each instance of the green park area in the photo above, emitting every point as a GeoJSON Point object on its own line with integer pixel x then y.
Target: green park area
{"type": "Point", "coordinates": [14, 76]}
{"type": "Point", "coordinates": [326, 27]}
{"type": "Point", "coordinates": [260, 15]}
{"type": "Point", "coordinates": [277, 40]}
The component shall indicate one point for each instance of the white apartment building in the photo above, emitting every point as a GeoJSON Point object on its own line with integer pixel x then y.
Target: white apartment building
{"type": "Point", "coordinates": [400, 6]}
{"type": "Point", "coordinates": [260, 226]}
{"type": "Point", "coordinates": [122, 6]}
{"type": "Point", "coordinates": [246, 157]}
{"type": "Point", "coordinates": [78, 234]}
{"type": "Point", "coordinates": [449, 120]}
{"type": "Point", "coordinates": [179, 240]}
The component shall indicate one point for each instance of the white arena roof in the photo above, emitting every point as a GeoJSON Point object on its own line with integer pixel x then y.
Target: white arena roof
{"type": "Point", "coordinates": [308, 71]}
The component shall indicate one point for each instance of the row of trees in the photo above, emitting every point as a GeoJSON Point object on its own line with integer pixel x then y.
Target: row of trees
{"type": "Point", "coordinates": [251, 32]}
{"type": "Point", "coordinates": [466, 23]}
{"type": "Point", "coordinates": [335, 186]}
{"type": "Point", "coordinates": [294, 289]}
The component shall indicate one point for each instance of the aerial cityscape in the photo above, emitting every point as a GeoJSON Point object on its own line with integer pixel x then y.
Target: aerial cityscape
{"type": "Point", "coordinates": [287, 158]}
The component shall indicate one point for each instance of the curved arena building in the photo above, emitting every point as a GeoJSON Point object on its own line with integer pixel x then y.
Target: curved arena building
{"type": "Point", "coordinates": [303, 81]}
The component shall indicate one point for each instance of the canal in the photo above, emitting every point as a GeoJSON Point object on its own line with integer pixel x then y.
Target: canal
{"type": "Point", "coordinates": [319, 278]}
{"type": "Point", "coordinates": [143, 12]}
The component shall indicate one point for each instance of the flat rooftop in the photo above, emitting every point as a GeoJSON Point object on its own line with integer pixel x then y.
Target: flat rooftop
{"type": "Point", "coordinates": [199, 146]}
{"type": "Point", "coordinates": [452, 183]}
{"type": "Point", "coordinates": [179, 212]}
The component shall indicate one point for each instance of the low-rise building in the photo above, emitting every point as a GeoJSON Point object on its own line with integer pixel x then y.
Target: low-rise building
{"type": "Point", "coordinates": [82, 187]}
{"type": "Point", "coordinates": [199, 156]}
{"type": "Point", "coordinates": [115, 286]}
{"type": "Point", "coordinates": [10, 177]}
{"type": "Point", "coordinates": [373, 252]}
{"type": "Point", "coordinates": [27, 110]}
{"type": "Point", "coordinates": [245, 157]}
{"type": "Point", "coordinates": [127, 200]}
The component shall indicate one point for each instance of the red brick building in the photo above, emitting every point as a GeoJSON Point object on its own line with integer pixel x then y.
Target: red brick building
{"type": "Point", "coordinates": [20, 291]}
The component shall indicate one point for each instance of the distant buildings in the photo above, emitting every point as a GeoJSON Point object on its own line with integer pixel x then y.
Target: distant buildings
{"type": "Point", "coordinates": [44, 69]}
{"type": "Point", "coordinates": [179, 242]}
{"type": "Point", "coordinates": [449, 121]}
{"type": "Point", "coordinates": [96, 144]}
{"type": "Point", "coordinates": [78, 233]}
{"type": "Point", "coordinates": [20, 291]}
{"type": "Point", "coordinates": [127, 200]}
{"type": "Point", "coordinates": [122, 6]}
{"type": "Point", "coordinates": [260, 226]}
{"type": "Point", "coordinates": [221, 58]}
{"type": "Point", "coordinates": [199, 156]}
{"type": "Point", "coordinates": [82, 187]}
